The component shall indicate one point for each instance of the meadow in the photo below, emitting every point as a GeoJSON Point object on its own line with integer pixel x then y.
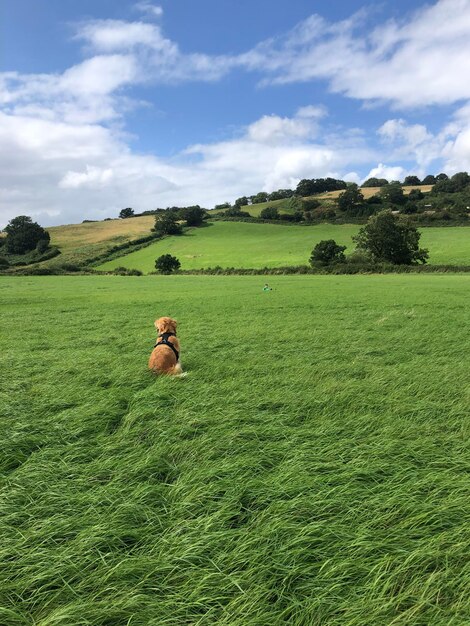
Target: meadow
{"type": "Point", "coordinates": [79, 242]}
{"type": "Point", "coordinates": [245, 245]}
{"type": "Point", "coordinates": [312, 468]}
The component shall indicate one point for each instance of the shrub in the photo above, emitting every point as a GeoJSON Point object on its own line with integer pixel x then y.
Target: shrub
{"type": "Point", "coordinates": [269, 213]}
{"type": "Point", "coordinates": [166, 264]}
{"type": "Point", "coordinates": [3, 263]}
{"type": "Point", "coordinates": [327, 252]}
{"type": "Point", "coordinates": [125, 271]}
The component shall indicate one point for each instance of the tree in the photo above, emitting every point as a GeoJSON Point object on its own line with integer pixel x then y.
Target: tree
{"type": "Point", "coordinates": [224, 205]}
{"type": "Point", "coordinates": [269, 213]}
{"type": "Point", "coordinates": [442, 176]}
{"type": "Point", "coordinates": [351, 201]}
{"type": "Point", "coordinates": [411, 180]}
{"type": "Point", "coordinates": [262, 196]}
{"type": "Point", "coordinates": [166, 224]}
{"type": "Point", "coordinates": [166, 264]}
{"type": "Point", "coordinates": [193, 215]}
{"type": "Point", "coordinates": [327, 252]}
{"type": "Point", "coordinates": [388, 238]}
{"type": "Point", "coordinates": [415, 195]}
{"type": "Point", "coordinates": [280, 194]}
{"type": "Point", "coordinates": [393, 193]}
{"type": "Point", "coordinates": [375, 182]}
{"type": "Point", "coordinates": [242, 201]}
{"type": "Point", "coordinates": [429, 180]}
{"type": "Point", "coordinates": [125, 213]}
{"type": "Point", "coordinates": [23, 235]}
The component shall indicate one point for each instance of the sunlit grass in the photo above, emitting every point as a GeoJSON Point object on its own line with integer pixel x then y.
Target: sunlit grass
{"type": "Point", "coordinates": [245, 245]}
{"type": "Point", "coordinates": [312, 468]}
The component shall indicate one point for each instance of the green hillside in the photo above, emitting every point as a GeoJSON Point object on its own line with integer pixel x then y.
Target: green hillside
{"type": "Point", "coordinates": [240, 244]}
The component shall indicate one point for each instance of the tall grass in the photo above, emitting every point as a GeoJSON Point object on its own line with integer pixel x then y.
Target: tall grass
{"type": "Point", "coordinates": [311, 469]}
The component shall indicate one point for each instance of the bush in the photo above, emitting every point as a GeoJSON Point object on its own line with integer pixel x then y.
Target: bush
{"type": "Point", "coordinates": [327, 252]}
{"type": "Point", "coordinates": [124, 271]}
{"type": "Point", "coordinates": [166, 264]}
{"type": "Point", "coordinates": [3, 263]}
{"type": "Point", "coordinates": [42, 245]}
{"type": "Point", "coordinates": [269, 213]}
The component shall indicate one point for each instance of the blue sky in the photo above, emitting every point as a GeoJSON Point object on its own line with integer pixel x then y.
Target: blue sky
{"type": "Point", "coordinates": [111, 103]}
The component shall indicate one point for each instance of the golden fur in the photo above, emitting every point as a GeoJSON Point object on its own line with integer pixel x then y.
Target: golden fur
{"type": "Point", "coordinates": [163, 359]}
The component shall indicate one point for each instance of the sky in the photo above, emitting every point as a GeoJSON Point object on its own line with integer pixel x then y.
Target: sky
{"type": "Point", "coordinates": [108, 104]}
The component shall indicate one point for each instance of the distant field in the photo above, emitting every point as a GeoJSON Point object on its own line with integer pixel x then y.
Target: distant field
{"type": "Point", "coordinates": [240, 244]}
{"type": "Point", "coordinates": [311, 470]}
{"type": "Point", "coordinates": [81, 241]}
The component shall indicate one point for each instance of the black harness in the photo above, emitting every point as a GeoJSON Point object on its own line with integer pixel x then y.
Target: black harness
{"type": "Point", "coordinates": [164, 342]}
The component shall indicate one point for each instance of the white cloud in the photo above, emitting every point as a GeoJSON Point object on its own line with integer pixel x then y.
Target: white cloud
{"type": "Point", "coordinates": [150, 9]}
{"type": "Point", "coordinates": [418, 62]}
{"type": "Point", "coordinates": [390, 172]}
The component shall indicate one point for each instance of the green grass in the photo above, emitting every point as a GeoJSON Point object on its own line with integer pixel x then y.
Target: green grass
{"type": "Point", "coordinates": [240, 244]}
{"type": "Point", "coordinates": [312, 468]}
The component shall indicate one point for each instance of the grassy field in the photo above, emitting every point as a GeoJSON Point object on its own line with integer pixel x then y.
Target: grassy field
{"type": "Point", "coordinates": [311, 470]}
{"type": "Point", "coordinates": [78, 242]}
{"type": "Point", "coordinates": [240, 244]}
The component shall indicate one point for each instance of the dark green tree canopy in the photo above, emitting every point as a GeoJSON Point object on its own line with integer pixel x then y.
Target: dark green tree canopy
{"type": "Point", "coordinates": [125, 213]}
{"type": "Point", "coordinates": [386, 237]}
{"type": "Point", "coordinates": [166, 264]}
{"type": "Point", "coordinates": [23, 235]}
{"type": "Point", "coordinates": [393, 194]}
{"type": "Point", "coordinates": [429, 180]}
{"type": "Point", "coordinates": [351, 201]}
{"type": "Point", "coordinates": [269, 213]}
{"type": "Point", "coordinates": [280, 194]}
{"type": "Point", "coordinates": [375, 182]}
{"type": "Point", "coordinates": [242, 201]}
{"type": "Point", "coordinates": [311, 186]}
{"type": "Point", "coordinates": [411, 180]}
{"type": "Point", "coordinates": [166, 223]}
{"type": "Point", "coordinates": [262, 196]}
{"type": "Point", "coordinates": [327, 252]}
{"type": "Point", "coordinates": [194, 215]}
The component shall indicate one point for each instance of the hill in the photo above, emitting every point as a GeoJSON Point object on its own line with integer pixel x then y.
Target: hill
{"type": "Point", "coordinates": [79, 242]}
{"type": "Point", "coordinates": [242, 244]}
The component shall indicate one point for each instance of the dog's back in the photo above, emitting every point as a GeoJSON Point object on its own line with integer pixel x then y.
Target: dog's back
{"type": "Point", "coordinates": [164, 358]}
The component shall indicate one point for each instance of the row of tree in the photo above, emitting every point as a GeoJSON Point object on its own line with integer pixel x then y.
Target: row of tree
{"type": "Point", "coordinates": [312, 186]}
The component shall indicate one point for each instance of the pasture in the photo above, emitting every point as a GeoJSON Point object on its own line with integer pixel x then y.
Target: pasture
{"type": "Point", "coordinates": [241, 244]}
{"type": "Point", "coordinates": [311, 469]}
{"type": "Point", "coordinates": [79, 242]}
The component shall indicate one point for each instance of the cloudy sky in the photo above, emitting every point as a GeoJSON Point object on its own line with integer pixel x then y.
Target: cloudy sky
{"type": "Point", "coordinates": [106, 104]}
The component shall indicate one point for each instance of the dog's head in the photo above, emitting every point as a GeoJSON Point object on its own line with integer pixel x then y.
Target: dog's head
{"type": "Point", "coordinates": [166, 325]}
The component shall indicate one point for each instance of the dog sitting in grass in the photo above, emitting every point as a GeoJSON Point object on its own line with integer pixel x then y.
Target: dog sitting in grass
{"type": "Point", "coordinates": [166, 352]}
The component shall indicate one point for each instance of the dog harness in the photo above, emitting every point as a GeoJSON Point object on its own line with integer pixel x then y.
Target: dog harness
{"type": "Point", "coordinates": [164, 342]}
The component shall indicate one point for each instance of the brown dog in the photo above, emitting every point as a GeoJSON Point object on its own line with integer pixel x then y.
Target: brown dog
{"type": "Point", "coordinates": [165, 356]}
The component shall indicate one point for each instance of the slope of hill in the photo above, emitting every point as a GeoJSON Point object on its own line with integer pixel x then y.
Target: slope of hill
{"type": "Point", "coordinates": [242, 244]}
{"type": "Point", "coordinates": [79, 242]}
